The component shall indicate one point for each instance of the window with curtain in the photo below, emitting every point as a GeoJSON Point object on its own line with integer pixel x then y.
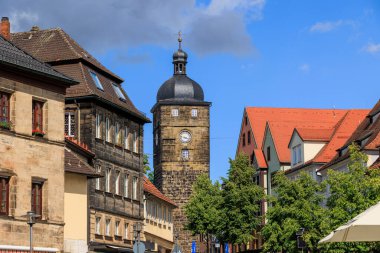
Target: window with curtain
{"type": "Point", "coordinates": [37, 116]}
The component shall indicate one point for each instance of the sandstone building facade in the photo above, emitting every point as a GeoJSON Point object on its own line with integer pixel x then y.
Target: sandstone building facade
{"type": "Point", "coordinates": [99, 114]}
{"type": "Point", "coordinates": [158, 231]}
{"type": "Point", "coordinates": [32, 103]}
{"type": "Point", "coordinates": [181, 135]}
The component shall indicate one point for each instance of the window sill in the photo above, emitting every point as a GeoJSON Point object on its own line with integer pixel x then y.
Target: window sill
{"type": "Point", "coordinates": [108, 237]}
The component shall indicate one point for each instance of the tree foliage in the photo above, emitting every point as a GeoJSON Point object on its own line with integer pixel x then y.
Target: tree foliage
{"type": "Point", "coordinates": [351, 193]}
{"type": "Point", "coordinates": [295, 205]}
{"type": "Point", "coordinates": [228, 212]}
{"type": "Point", "coordinates": [241, 204]}
{"type": "Point", "coordinates": [204, 210]}
{"type": "Point", "coordinates": [147, 170]}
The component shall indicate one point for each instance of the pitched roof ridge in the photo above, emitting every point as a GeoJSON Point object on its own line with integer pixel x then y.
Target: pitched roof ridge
{"type": "Point", "coordinates": [296, 108]}
{"type": "Point", "coordinates": [43, 30]}
{"type": "Point", "coordinates": [64, 35]}
{"type": "Point", "coordinates": [68, 39]}
{"type": "Point", "coordinates": [336, 127]}
{"type": "Point", "coordinates": [79, 144]}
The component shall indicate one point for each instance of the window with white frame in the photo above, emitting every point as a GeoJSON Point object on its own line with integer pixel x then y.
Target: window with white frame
{"type": "Point", "coordinates": [69, 124]}
{"type": "Point", "coordinates": [108, 227]}
{"type": "Point", "coordinates": [164, 212]}
{"type": "Point", "coordinates": [126, 230]}
{"type": "Point", "coordinates": [108, 130]}
{"type": "Point", "coordinates": [117, 227]}
{"type": "Point", "coordinates": [185, 154]}
{"type": "Point", "coordinates": [97, 225]}
{"type": "Point", "coordinates": [108, 180]}
{"type": "Point", "coordinates": [194, 113]}
{"type": "Point", "coordinates": [126, 138]}
{"type": "Point", "coordinates": [97, 180]}
{"type": "Point", "coordinates": [135, 142]}
{"type": "Point", "coordinates": [117, 183]}
{"type": "Point", "coordinates": [296, 154]}
{"type": "Point", "coordinates": [126, 186]}
{"type": "Point", "coordinates": [134, 188]}
{"type": "Point", "coordinates": [175, 112]}
{"type": "Point", "coordinates": [99, 119]}
{"type": "Point", "coordinates": [96, 80]}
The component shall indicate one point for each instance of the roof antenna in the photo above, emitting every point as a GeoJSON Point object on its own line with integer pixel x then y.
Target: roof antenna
{"type": "Point", "coordinates": [334, 110]}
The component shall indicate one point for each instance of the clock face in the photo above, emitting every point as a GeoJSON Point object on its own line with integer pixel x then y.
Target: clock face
{"type": "Point", "coordinates": [185, 137]}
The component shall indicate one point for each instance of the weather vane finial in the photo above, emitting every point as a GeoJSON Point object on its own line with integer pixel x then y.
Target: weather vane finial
{"type": "Point", "coordinates": [179, 40]}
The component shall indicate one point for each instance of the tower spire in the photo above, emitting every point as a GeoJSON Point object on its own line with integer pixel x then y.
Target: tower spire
{"type": "Point", "coordinates": [180, 58]}
{"type": "Point", "coordinates": [180, 40]}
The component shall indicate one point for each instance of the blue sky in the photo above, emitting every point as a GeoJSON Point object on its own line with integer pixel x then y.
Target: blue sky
{"type": "Point", "coordinates": [310, 54]}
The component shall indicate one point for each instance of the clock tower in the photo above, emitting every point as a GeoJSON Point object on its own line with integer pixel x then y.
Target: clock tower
{"type": "Point", "coordinates": [181, 131]}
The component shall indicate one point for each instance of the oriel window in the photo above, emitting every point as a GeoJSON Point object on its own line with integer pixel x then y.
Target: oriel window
{"type": "Point", "coordinates": [4, 195]}
{"type": "Point", "coordinates": [70, 124]}
{"type": "Point", "coordinates": [37, 198]}
{"type": "Point", "coordinates": [37, 115]}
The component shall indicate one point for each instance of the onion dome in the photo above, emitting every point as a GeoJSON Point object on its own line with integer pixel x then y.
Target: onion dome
{"type": "Point", "coordinates": [180, 87]}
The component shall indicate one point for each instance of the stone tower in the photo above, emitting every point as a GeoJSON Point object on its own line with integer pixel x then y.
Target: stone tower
{"type": "Point", "coordinates": [181, 133]}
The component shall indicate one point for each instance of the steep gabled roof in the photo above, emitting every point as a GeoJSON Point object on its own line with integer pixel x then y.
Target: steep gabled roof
{"type": "Point", "coordinates": [151, 189]}
{"type": "Point", "coordinates": [55, 45]}
{"type": "Point", "coordinates": [259, 116]}
{"type": "Point", "coordinates": [367, 135]}
{"type": "Point", "coordinates": [57, 48]}
{"type": "Point", "coordinates": [282, 131]}
{"type": "Point", "coordinates": [14, 57]}
{"type": "Point", "coordinates": [260, 159]}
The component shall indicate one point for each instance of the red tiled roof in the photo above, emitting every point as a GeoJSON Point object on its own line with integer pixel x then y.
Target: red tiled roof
{"type": "Point", "coordinates": [376, 164]}
{"type": "Point", "coordinates": [259, 156]}
{"type": "Point", "coordinates": [308, 134]}
{"type": "Point", "coordinates": [76, 165]}
{"type": "Point", "coordinates": [282, 132]}
{"type": "Point", "coordinates": [342, 132]}
{"type": "Point", "coordinates": [259, 116]}
{"type": "Point", "coordinates": [368, 128]}
{"type": "Point", "coordinates": [79, 145]}
{"type": "Point", "coordinates": [150, 188]}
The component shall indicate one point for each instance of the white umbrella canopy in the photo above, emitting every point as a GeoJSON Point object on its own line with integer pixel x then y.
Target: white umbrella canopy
{"type": "Point", "coordinates": [363, 228]}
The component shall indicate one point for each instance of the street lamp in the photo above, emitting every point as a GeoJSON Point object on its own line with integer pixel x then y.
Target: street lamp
{"type": "Point", "coordinates": [31, 220]}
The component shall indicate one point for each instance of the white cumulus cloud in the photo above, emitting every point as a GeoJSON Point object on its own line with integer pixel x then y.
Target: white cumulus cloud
{"type": "Point", "coordinates": [220, 26]}
{"type": "Point", "coordinates": [372, 48]}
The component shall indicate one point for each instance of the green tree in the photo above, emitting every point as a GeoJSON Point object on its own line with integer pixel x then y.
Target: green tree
{"type": "Point", "coordinates": [204, 210]}
{"type": "Point", "coordinates": [294, 205]}
{"type": "Point", "coordinates": [147, 170]}
{"type": "Point", "coordinates": [351, 193]}
{"type": "Point", "coordinates": [241, 202]}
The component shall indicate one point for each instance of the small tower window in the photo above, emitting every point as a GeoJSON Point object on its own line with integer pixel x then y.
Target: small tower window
{"type": "Point", "coordinates": [194, 113]}
{"type": "Point", "coordinates": [180, 68]}
{"type": "Point", "coordinates": [185, 154]}
{"type": "Point", "coordinates": [175, 112]}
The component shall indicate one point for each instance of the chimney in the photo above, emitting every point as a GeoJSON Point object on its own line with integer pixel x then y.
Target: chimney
{"type": "Point", "coordinates": [5, 28]}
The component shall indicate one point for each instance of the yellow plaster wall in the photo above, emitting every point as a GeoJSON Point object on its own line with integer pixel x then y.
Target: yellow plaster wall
{"type": "Point", "coordinates": [75, 207]}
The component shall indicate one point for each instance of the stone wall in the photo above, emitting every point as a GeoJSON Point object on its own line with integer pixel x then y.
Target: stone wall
{"type": "Point", "coordinates": [174, 176]}
{"type": "Point", "coordinates": [25, 158]}
{"type": "Point", "coordinates": [116, 207]}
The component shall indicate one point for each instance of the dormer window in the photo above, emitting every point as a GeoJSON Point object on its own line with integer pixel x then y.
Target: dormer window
{"type": "Point", "coordinates": [296, 155]}
{"type": "Point", "coordinates": [118, 91]}
{"type": "Point", "coordinates": [96, 80]}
